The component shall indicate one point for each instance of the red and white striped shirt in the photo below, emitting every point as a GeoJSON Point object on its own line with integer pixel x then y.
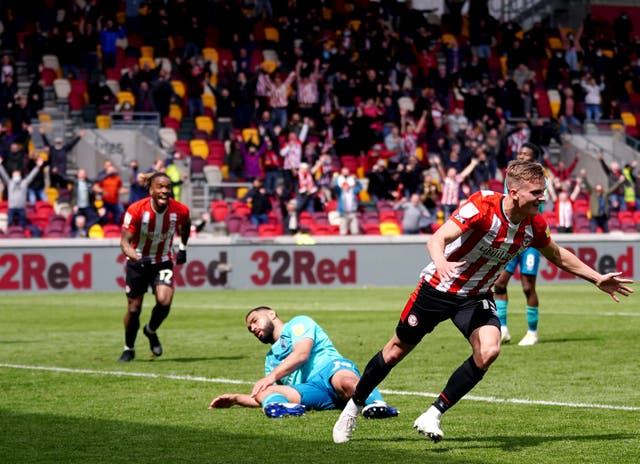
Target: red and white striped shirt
{"type": "Point", "coordinates": [153, 232]}
{"type": "Point", "coordinates": [451, 190]}
{"type": "Point", "coordinates": [308, 93]}
{"type": "Point", "coordinates": [488, 242]}
{"type": "Point", "coordinates": [278, 97]}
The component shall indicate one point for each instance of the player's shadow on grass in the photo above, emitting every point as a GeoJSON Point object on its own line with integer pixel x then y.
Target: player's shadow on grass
{"type": "Point", "coordinates": [518, 443]}
{"type": "Point", "coordinates": [48, 437]}
{"type": "Point", "coordinates": [568, 340]}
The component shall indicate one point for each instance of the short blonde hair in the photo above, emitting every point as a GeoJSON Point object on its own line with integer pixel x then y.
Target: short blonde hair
{"type": "Point", "coordinates": [523, 171]}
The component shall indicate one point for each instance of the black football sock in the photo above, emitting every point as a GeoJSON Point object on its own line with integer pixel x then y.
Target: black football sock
{"type": "Point", "coordinates": [460, 383]}
{"type": "Point", "coordinates": [374, 373]}
{"type": "Point", "coordinates": [159, 314]}
{"type": "Point", "coordinates": [131, 330]}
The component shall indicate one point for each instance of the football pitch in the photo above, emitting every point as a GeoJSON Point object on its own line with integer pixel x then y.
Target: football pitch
{"type": "Point", "coordinates": [573, 398]}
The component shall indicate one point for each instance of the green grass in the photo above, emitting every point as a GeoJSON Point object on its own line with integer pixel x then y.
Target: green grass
{"type": "Point", "coordinates": [588, 356]}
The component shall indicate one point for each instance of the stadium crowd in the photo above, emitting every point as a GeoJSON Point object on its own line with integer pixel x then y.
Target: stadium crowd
{"type": "Point", "coordinates": [364, 117]}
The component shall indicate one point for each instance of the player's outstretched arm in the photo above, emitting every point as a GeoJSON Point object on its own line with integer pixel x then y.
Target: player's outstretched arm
{"type": "Point", "coordinates": [231, 399]}
{"type": "Point", "coordinates": [610, 283]}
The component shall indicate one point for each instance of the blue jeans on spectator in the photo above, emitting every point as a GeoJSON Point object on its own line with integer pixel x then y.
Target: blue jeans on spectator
{"type": "Point", "coordinates": [17, 217]}
{"type": "Point", "coordinates": [196, 107]}
{"type": "Point", "coordinates": [257, 219]}
{"type": "Point", "coordinates": [279, 117]}
{"type": "Point", "coordinates": [116, 210]}
{"type": "Point", "coordinates": [592, 112]}
{"type": "Point", "coordinates": [36, 194]}
{"type": "Point", "coordinates": [271, 178]}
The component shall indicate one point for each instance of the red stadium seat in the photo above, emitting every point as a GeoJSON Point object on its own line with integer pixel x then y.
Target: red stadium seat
{"type": "Point", "coordinates": [219, 210]}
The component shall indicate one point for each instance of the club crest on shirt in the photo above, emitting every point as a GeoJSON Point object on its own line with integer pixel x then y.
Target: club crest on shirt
{"type": "Point", "coordinates": [460, 219]}
{"type": "Point", "coordinates": [526, 241]}
{"type": "Point", "coordinates": [298, 329]}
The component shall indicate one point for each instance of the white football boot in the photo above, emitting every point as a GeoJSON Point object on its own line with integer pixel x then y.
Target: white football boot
{"type": "Point", "coordinates": [531, 338]}
{"type": "Point", "coordinates": [346, 423]}
{"type": "Point", "coordinates": [428, 424]}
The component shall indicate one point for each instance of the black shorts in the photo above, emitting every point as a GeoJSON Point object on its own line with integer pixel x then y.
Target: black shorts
{"type": "Point", "coordinates": [427, 307]}
{"type": "Point", "coordinates": [139, 279]}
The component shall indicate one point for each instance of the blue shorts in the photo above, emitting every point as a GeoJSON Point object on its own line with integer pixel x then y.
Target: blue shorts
{"type": "Point", "coordinates": [529, 262]}
{"type": "Point", "coordinates": [318, 393]}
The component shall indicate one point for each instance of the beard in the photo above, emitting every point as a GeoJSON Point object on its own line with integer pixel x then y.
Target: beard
{"type": "Point", "coordinates": [267, 333]}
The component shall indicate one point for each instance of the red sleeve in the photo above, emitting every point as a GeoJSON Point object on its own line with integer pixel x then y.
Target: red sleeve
{"type": "Point", "coordinates": [131, 220]}
{"type": "Point", "coordinates": [541, 232]}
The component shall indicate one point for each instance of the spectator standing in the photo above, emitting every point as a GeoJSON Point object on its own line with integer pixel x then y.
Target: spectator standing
{"type": "Point", "coordinates": [291, 151]}
{"type": "Point", "coordinates": [622, 28]}
{"type": "Point", "coordinates": [278, 99]}
{"type": "Point", "coordinates": [82, 198]}
{"type": "Point", "coordinates": [451, 183]}
{"type": "Point", "coordinates": [564, 205]}
{"type": "Point", "coordinates": [291, 220]}
{"type": "Point", "coordinates": [260, 203]}
{"type": "Point", "coordinates": [137, 183]}
{"type": "Point", "coordinates": [308, 93]}
{"type": "Point", "coordinates": [252, 156]}
{"type": "Point", "coordinates": [272, 165]}
{"type": "Point", "coordinates": [348, 188]}
{"type": "Point", "coordinates": [109, 188]}
{"type": "Point", "coordinates": [416, 218]}
{"type": "Point", "coordinates": [306, 189]}
{"type": "Point", "coordinates": [17, 190]}
{"type": "Point", "coordinates": [58, 156]}
{"type": "Point", "coordinates": [108, 37]}
{"type": "Point", "coordinates": [593, 97]}
{"type": "Point", "coordinates": [195, 72]}
{"type": "Point", "coordinates": [599, 206]}
{"type": "Point", "coordinates": [562, 172]}
{"type": "Point", "coordinates": [613, 172]}
{"type": "Point", "coordinates": [36, 190]}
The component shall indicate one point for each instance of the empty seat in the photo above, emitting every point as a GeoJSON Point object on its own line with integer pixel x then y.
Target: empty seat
{"type": "Point", "coordinates": [219, 210]}
{"type": "Point", "coordinates": [62, 88]}
{"type": "Point", "coordinates": [204, 123]}
{"type": "Point", "coordinates": [111, 231]}
{"type": "Point", "coordinates": [178, 88]}
{"type": "Point", "coordinates": [199, 148]}
{"type": "Point", "coordinates": [126, 96]}
{"type": "Point", "coordinates": [167, 137]}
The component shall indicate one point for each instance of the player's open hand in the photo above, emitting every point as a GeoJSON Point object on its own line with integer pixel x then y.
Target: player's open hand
{"type": "Point", "coordinates": [223, 401]}
{"type": "Point", "coordinates": [612, 284]}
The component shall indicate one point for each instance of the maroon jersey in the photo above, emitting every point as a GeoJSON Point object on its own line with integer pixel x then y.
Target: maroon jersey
{"type": "Point", "coordinates": [487, 244]}
{"type": "Point", "coordinates": [153, 232]}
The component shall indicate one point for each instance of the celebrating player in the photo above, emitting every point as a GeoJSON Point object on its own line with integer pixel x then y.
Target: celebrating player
{"type": "Point", "coordinates": [303, 370]}
{"type": "Point", "coordinates": [147, 238]}
{"type": "Point", "coordinates": [468, 252]}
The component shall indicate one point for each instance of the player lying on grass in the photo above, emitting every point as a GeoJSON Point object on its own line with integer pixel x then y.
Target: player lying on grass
{"type": "Point", "coordinates": [303, 370]}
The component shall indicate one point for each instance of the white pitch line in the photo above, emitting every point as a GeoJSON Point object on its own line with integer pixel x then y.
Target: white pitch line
{"type": "Point", "coordinates": [486, 399]}
{"type": "Point", "coordinates": [515, 311]}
